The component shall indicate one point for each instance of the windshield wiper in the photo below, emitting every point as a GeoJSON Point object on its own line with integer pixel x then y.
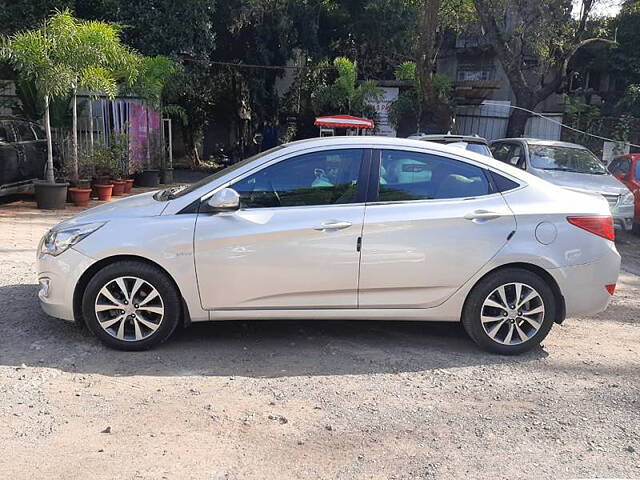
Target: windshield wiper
{"type": "Point", "coordinates": [561, 169]}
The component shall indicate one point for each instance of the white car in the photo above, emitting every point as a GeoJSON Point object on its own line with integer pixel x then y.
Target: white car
{"type": "Point", "coordinates": [338, 228]}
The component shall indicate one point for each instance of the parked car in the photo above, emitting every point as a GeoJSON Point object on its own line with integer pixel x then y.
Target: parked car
{"type": "Point", "coordinates": [338, 228]}
{"type": "Point", "coordinates": [626, 168]}
{"type": "Point", "coordinates": [23, 155]}
{"type": "Point", "coordinates": [571, 166]}
{"type": "Point", "coordinates": [473, 143]}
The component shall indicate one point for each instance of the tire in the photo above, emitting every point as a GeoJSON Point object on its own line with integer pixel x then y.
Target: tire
{"type": "Point", "coordinates": [148, 319]}
{"type": "Point", "coordinates": [529, 324]}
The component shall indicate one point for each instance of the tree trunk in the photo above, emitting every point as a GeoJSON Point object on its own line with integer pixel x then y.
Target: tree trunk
{"type": "Point", "coordinates": [425, 57]}
{"type": "Point", "coordinates": [517, 123]}
{"type": "Point", "coordinates": [47, 128]}
{"type": "Point", "coordinates": [91, 125]}
{"type": "Point", "coordinates": [190, 146]}
{"type": "Point", "coordinates": [74, 163]}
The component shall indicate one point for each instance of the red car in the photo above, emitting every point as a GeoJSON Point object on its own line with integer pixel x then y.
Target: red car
{"type": "Point", "coordinates": [626, 168]}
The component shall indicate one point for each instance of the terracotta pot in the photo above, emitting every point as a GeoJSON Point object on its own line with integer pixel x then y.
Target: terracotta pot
{"type": "Point", "coordinates": [128, 185]}
{"type": "Point", "coordinates": [104, 192]}
{"type": "Point", "coordinates": [118, 187]}
{"type": "Point", "coordinates": [80, 196]}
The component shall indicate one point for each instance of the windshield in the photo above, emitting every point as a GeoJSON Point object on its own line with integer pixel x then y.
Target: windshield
{"type": "Point", "coordinates": [579, 160]}
{"type": "Point", "coordinates": [181, 190]}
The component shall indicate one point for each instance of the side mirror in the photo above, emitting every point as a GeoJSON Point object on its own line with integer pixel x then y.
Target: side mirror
{"type": "Point", "coordinates": [225, 200]}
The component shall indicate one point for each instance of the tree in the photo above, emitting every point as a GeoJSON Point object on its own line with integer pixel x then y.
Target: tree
{"type": "Point", "coordinates": [93, 52]}
{"type": "Point", "coordinates": [345, 94]}
{"type": "Point", "coordinates": [37, 56]}
{"type": "Point", "coordinates": [435, 19]}
{"type": "Point", "coordinates": [534, 41]}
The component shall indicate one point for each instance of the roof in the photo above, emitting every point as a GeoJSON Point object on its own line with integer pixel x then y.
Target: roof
{"type": "Point", "coordinates": [539, 141]}
{"type": "Point", "coordinates": [344, 121]}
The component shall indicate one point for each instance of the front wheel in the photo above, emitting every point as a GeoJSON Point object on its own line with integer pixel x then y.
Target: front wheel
{"type": "Point", "coordinates": [131, 305]}
{"type": "Point", "coordinates": [509, 311]}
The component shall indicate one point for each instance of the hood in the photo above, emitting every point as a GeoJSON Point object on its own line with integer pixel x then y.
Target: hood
{"type": "Point", "coordinates": [604, 184]}
{"type": "Point", "coordinates": [142, 205]}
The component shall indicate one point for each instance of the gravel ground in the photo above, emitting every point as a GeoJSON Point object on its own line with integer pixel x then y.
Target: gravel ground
{"type": "Point", "coordinates": [312, 400]}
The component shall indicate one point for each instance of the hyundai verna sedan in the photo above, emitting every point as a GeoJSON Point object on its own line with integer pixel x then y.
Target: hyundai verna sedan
{"type": "Point", "coordinates": [338, 228]}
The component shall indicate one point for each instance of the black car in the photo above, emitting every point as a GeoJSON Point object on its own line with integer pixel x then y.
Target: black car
{"type": "Point", "coordinates": [23, 155]}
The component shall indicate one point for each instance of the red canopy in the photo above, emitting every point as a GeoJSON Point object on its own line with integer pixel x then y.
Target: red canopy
{"type": "Point", "coordinates": [344, 121]}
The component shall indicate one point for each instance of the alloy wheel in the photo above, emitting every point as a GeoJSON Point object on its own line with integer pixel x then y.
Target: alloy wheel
{"type": "Point", "coordinates": [129, 308]}
{"type": "Point", "coordinates": [512, 313]}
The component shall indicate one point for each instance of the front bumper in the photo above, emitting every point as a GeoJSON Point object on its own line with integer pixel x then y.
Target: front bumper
{"type": "Point", "coordinates": [583, 286]}
{"type": "Point", "coordinates": [58, 277]}
{"type": "Point", "coordinates": [623, 216]}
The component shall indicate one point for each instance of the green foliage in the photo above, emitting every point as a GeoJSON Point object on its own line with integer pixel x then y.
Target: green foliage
{"type": "Point", "coordinates": [108, 159]}
{"type": "Point", "coordinates": [345, 95]}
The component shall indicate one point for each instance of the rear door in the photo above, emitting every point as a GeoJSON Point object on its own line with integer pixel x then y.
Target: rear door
{"type": "Point", "coordinates": [434, 222]}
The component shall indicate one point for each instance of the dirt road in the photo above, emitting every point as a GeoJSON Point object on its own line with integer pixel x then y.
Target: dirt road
{"type": "Point", "coordinates": [312, 400]}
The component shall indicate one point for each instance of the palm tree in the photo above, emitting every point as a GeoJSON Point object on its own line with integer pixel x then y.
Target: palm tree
{"type": "Point", "coordinates": [94, 53]}
{"type": "Point", "coordinates": [36, 56]}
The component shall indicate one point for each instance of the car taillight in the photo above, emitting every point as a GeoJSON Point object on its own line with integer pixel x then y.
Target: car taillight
{"type": "Point", "coordinates": [611, 288]}
{"type": "Point", "coordinates": [601, 226]}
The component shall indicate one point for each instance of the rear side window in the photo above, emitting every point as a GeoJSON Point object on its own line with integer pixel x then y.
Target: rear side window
{"type": "Point", "coordinates": [24, 132]}
{"type": "Point", "coordinates": [39, 132]}
{"type": "Point", "coordinates": [422, 176]}
{"type": "Point", "coordinates": [503, 184]}
{"type": "Point", "coordinates": [501, 151]}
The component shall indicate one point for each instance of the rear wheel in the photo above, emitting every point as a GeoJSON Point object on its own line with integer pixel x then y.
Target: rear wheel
{"type": "Point", "coordinates": [131, 306]}
{"type": "Point", "coordinates": [509, 311]}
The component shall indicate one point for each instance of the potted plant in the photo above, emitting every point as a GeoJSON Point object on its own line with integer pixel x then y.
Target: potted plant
{"type": "Point", "coordinates": [104, 166]}
{"type": "Point", "coordinates": [81, 189]}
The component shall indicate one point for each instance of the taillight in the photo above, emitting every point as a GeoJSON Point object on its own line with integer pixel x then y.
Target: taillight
{"type": "Point", "coordinates": [601, 226]}
{"type": "Point", "coordinates": [611, 288]}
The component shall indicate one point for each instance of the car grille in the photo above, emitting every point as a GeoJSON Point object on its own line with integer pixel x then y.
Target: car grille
{"type": "Point", "coordinates": [612, 199]}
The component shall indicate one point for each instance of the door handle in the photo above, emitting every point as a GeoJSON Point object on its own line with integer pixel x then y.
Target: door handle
{"type": "Point", "coordinates": [481, 216]}
{"type": "Point", "coordinates": [332, 225]}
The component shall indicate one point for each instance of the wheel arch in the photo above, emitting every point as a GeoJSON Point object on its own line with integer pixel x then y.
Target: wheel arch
{"type": "Point", "coordinates": [542, 273]}
{"type": "Point", "coordinates": [86, 276]}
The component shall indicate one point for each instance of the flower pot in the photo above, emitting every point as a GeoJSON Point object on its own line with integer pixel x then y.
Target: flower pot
{"type": "Point", "coordinates": [80, 196]}
{"type": "Point", "coordinates": [50, 196]}
{"type": "Point", "coordinates": [166, 176]}
{"type": "Point", "coordinates": [104, 192]}
{"type": "Point", "coordinates": [81, 183]}
{"type": "Point", "coordinates": [148, 178]}
{"type": "Point", "coordinates": [128, 185]}
{"type": "Point", "coordinates": [118, 188]}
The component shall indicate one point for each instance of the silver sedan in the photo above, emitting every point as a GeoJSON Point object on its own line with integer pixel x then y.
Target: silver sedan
{"type": "Point", "coordinates": [338, 228]}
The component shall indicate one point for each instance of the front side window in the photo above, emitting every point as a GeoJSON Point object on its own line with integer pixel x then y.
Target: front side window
{"type": "Point", "coordinates": [578, 160]}
{"type": "Point", "coordinates": [620, 166]}
{"type": "Point", "coordinates": [637, 170]}
{"type": "Point", "coordinates": [320, 178]}
{"type": "Point", "coordinates": [422, 176]}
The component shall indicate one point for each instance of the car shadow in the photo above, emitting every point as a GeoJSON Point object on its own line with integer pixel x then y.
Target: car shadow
{"type": "Point", "coordinates": [241, 348]}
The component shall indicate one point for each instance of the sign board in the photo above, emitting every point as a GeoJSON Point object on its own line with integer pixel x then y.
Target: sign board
{"type": "Point", "coordinates": [389, 94]}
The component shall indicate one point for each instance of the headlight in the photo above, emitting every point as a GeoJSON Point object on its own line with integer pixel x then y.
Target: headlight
{"type": "Point", "coordinates": [627, 199]}
{"type": "Point", "coordinates": [57, 241]}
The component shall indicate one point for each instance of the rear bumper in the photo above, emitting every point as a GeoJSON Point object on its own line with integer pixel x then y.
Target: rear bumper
{"type": "Point", "coordinates": [583, 286]}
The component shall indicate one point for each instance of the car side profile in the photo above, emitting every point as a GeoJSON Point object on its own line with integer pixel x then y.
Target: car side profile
{"type": "Point", "coordinates": [23, 155]}
{"type": "Point", "coordinates": [370, 228]}
{"type": "Point", "coordinates": [570, 166]}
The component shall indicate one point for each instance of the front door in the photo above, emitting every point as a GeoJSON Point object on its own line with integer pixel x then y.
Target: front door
{"type": "Point", "coordinates": [294, 243]}
{"type": "Point", "coordinates": [435, 223]}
